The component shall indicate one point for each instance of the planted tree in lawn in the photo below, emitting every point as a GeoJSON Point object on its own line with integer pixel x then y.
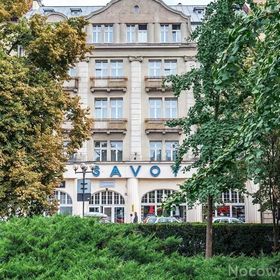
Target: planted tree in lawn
{"type": "Point", "coordinates": [33, 106]}
{"type": "Point", "coordinates": [212, 120]}
{"type": "Point", "coordinates": [250, 65]}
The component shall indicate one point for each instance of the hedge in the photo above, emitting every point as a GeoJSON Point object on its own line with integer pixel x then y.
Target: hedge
{"type": "Point", "coordinates": [228, 239]}
{"type": "Point", "coordinates": [74, 248]}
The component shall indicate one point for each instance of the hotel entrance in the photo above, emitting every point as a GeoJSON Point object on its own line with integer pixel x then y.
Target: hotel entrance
{"type": "Point", "coordinates": [110, 203]}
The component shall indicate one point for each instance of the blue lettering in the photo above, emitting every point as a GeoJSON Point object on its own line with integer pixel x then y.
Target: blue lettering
{"type": "Point", "coordinates": [115, 171]}
{"type": "Point", "coordinates": [135, 172]}
{"type": "Point", "coordinates": [96, 171]}
{"type": "Point", "coordinates": [155, 171]}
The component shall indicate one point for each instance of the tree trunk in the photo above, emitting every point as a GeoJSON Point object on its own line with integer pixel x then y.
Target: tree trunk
{"type": "Point", "coordinates": [209, 229]}
{"type": "Point", "coordinates": [275, 230]}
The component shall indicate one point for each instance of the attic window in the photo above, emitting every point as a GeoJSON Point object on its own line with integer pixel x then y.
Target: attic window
{"type": "Point", "coordinates": [198, 10]}
{"type": "Point", "coordinates": [48, 10]}
{"type": "Point", "coordinates": [76, 11]}
{"type": "Point", "coordinates": [136, 9]}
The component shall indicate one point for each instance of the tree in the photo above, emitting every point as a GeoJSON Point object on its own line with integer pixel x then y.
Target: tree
{"type": "Point", "coordinates": [33, 107]}
{"type": "Point", "coordinates": [250, 64]}
{"type": "Point", "coordinates": [212, 120]}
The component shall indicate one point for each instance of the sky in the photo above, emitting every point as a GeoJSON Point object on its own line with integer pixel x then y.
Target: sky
{"type": "Point", "coordinates": [103, 2]}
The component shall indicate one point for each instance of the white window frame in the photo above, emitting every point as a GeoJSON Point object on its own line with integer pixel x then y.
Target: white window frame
{"type": "Point", "coordinates": [130, 33]}
{"type": "Point", "coordinates": [116, 106]}
{"type": "Point", "coordinates": [99, 149]}
{"type": "Point", "coordinates": [117, 150]}
{"type": "Point", "coordinates": [97, 33]}
{"type": "Point", "coordinates": [154, 68]}
{"type": "Point", "coordinates": [101, 68]}
{"type": "Point", "coordinates": [171, 108]}
{"type": "Point", "coordinates": [142, 35]}
{"type": "Point", "coordinates": [155, 150]}
{"type": "Point", "coordinates": [108, 33]}
{"type": "Point", "coordinates": [176, 33]}
{"type": "Point", "coordinates": [155, 108]}
{"type": "Point", "coordinates": [164, 32]}
{"type": "Point", "coordinates": [170, 150]}
{"type": "Point", "coordinates": [170, 67]}
{"type": "Point", "coordinates": [116, 68]}
{"type": "Point", "coordinates": [102, 108]}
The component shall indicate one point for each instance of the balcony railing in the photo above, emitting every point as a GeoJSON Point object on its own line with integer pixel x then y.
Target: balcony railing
{"type": "Point", "coordinates": [160, 126]}
{"type": "Point", "coordinates": [156, 84]}
{"type": "Point", "coordinates": [109, 126]}
{"type": "Point", "coordinates": [71, 85]}
{"type": "Point", "coordinates": [108, 84]}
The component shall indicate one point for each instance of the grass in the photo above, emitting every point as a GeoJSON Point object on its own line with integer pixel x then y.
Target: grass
{"type": "Point", "coordinates": [73, 248]}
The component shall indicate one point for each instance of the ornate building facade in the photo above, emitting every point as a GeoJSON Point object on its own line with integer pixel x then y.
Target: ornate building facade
{"type": "Point", "coordinates": [136, 44]}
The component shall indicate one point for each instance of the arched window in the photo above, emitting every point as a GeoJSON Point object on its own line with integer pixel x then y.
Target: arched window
{"type": "Point", "coordinates": [110, 203]}
{"type": "Point", "coordinates": [65, 202]}
{"type": "Point", "coordinates": [136, 9]}
{"type": "Point", "coordinates": [151, 204]}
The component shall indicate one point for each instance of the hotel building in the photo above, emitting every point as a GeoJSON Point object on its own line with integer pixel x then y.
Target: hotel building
{"type": "Point", "coordinates": [136, 44]}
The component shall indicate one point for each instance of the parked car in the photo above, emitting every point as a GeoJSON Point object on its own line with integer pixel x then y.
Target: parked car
{"type": "Point", "coordinates": [161, 220]}
{"type": "Point", "coordinates": [103, 218]}
{"type": "Point", "coordinates": [227, 220]}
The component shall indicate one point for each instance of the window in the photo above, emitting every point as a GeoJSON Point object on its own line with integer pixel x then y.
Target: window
{"type": "Point", "coordinates": [176, 33]}
{"type": "Point", "coordinates": [116, 108]}
{"type": "Point", "coordinates": [108, 33]}
{"type": "Point", "coordinates": [154, 68]}
{"type": "Point", "coordinates": [100, 150]}
{"type": "Point", "coordinates": [155, 150]}
{"type": "Point", "coordinates": [130, 33]}
{"type": "Point", "coordinates": [170, 67]}
{"type": "Point", "coordinates": [170, 105]}
{"type": "Point", "coordinates": [116, 150]}
{"type": "Point", "coordinates": [103, 33]}
{"type": "Point", "coordinates": [136, 9]}
{"type": "Point", "coordinates": [142, 33]}
{"type": "Point", "coordinates": [101, 108]}
{"type": "Point", "coordinates": [116, 68]}
{"type": "Point", "coordinates": [108, 108]}
{"type": "Point", "coordinates": [164, 33]}
{"type": "Point", "coordinates": [72, 72]}
{"type": "Point", "coordinates": [75, 11]}
{"type": "Point", "coordinates": [101, 68]}
{"type": "Point", "coordinates": [65, 202]}
{"type": "Point", "coordinates": [97, 33]}
{"type": "Point", "coordinates": [170, 108]}
{"type": "Point", "coordinates": [155, 107]}
{"type": "Point", "coordinates": [170, 150]}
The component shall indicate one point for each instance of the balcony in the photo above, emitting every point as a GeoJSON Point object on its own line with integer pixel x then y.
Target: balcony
{"type": "Point", "coordinates": [108, 84]}
{"type": "Point", "coordinates": [71, 85]}
{"type": "Point", "coordinates": [156, 84]}
{"type": "Point", "coordinates": [109, 126]}
{"type": "Point", "coordinates": [159, 126]}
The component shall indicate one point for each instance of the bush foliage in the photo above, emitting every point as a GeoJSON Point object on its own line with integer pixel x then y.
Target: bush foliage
{"type": "Point", "coordinates": [74, 248]}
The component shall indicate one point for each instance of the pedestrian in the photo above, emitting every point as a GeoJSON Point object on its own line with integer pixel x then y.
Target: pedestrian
{"type": "Point", "coordinates": [131, 218]}
{"type": "Point", "coordinates": [135, 220]}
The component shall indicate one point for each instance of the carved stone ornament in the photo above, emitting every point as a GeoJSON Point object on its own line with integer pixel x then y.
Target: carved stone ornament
{"type": "Point", "coordinates": [135, 58]}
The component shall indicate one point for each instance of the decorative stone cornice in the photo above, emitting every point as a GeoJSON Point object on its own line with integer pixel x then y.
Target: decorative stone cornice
{"type": "Point", "coordinates": [190, 58]}
{"type": "Point", "coordinates": [135, 58]}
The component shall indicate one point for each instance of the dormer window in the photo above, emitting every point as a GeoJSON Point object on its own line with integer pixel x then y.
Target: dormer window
{"type": "Point", "coordinates": [48, 11]}
{"type": "Point", "coordinates": [75, 11]}
{"type": "Point", "coordinates": [198, 10]}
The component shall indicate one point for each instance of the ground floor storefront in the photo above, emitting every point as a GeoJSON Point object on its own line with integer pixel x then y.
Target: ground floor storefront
{"type": "Point", "coordinates": [120, 191]}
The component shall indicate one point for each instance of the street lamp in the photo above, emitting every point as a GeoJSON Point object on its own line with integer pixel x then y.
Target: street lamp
{"type": "Point", "coordinates": [83, 171]}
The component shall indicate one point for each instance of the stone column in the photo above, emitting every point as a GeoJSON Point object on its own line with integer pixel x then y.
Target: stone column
{"type": "Point", "coordinates": [89, 31]}
{"type": "Point", "coordinates": [116, 32]}
{"type": "Point", "coordinates": [157, 33]}
{"type": "Point", "coordinates": [133, 200]}
{"type": "Point", "coordinates": [151, 32]}
{"type": "Point", "coordinates": [135, 108]}
{"type": "Point", "coordinates": [122, 33]}
{"type": "Point", "coordinates": [184, 32]}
